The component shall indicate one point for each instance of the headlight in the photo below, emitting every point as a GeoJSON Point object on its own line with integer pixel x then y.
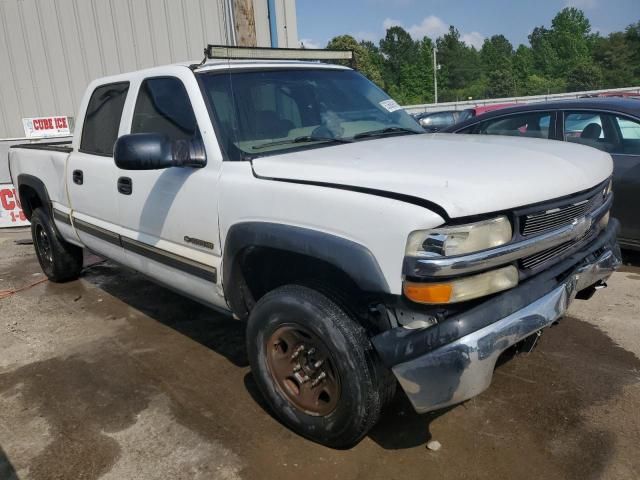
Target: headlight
{"type": "Point", "coordinates": [462, 289]}
{"type": "Point", "coordinates": [461, 239]}
{"type": "Point", "coordinates": [608, 188]}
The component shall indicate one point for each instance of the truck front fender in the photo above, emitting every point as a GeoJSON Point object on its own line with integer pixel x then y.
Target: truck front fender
{"type": "Point", "coordinates": [352, 258]}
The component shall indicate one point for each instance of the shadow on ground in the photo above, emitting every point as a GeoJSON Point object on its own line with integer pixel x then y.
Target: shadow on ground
{"type": "Point", "coordinates": [630, 258]}
{"type": "Point", "coordinates": [214, 330]}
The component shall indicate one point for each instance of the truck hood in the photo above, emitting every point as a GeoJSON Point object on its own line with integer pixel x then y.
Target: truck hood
{"type": "Point", "coordinates": [463, 174]}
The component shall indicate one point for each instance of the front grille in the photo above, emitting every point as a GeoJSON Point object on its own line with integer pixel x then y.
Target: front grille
{"type": "Point", "coordinates": [541, 257]}
{"type": "Point", "coordinates": [541, 222]}
{"type": "Point", "coordinates": [553, 217]}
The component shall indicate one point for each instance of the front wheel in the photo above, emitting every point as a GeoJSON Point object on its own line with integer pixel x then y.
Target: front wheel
{"type": "Point", "coordinates": [60, 260]}
{"type": "Point", "coordinates": [315, 366]}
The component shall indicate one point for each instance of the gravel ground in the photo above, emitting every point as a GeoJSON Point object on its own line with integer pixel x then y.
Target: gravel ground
{"type": "Point", "coordinates": [114, 377]}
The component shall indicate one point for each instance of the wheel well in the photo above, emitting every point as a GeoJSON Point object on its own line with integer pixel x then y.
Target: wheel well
{"type": "Point", "coordinates": [258, 270]}
{"type": "Point", "coordinates": [29, 200]}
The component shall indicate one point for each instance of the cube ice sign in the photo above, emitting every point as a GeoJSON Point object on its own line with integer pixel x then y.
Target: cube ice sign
{"type": "Point", "coordinates": [45, 127]}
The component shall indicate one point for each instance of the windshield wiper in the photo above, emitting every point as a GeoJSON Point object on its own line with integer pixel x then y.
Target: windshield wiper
{"type": "Point", "coordinates": [384, 131]}
{"type": "Point", "coordinates": [303, 139]}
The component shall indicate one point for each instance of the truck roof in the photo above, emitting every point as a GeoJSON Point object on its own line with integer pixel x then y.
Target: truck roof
{"type": "Point", "coordinates": [222, 64]}
{"type": "Point", "coordinates": [211, 65]}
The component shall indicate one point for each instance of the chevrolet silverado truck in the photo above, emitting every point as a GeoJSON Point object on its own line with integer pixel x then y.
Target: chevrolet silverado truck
{"type": "Point", "coordinates": [362, 252]}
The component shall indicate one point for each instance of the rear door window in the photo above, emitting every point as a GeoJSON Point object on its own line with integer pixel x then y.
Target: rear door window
{"type": "Point", "coordinates": [102, 120]}
{"type": "Point", "coordinates": [605, 131]}
{"type": "Point", "coordinates": [163, 106]}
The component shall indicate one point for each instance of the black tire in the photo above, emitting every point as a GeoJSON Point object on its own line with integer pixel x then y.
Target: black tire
{"type": "Point", "coordinates": [361, 378]}
{"type": "Point", "coordinates": [60, 260]}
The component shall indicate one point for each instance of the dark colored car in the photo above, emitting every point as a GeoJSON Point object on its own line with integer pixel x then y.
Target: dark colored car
{"type": "Point", "coordinates": [609, 124]}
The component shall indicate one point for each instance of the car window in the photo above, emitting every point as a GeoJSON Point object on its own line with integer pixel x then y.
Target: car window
{"type": "Point", "coordinates": [576, 123]}
{"type": "Point", "coordinates": [605, 131]}
{"type": "Point", "coordinates": [527, 124]}
{"type": "Point", "coordinates": [102, 120]}
{"type": "Point", "coordinates": [163, 106]}
{"type": "Point", "coordinates": [629, 136]}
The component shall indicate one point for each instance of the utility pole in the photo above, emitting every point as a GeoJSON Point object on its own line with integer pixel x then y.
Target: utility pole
{"type": "Point", "coordinates": [435, 74]}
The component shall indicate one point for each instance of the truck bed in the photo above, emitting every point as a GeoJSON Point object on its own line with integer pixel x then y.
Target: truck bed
{"type": "Point", "coordinates": [45, 163]}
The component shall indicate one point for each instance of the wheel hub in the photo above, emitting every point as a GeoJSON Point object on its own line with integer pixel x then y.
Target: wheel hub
{"type": "Point", "coordinates": [43, 244]}
{"type": "Point", "coordinates": [301, 366]}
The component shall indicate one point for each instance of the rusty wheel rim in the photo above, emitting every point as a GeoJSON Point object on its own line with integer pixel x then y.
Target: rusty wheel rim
{"type": "Point", "coordinates": [302, 368]}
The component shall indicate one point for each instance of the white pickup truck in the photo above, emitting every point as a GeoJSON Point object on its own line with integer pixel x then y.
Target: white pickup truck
{"type": "Point", "coordinates": [361, 251]}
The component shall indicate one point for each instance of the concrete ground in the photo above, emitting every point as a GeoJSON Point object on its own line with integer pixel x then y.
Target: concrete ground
{"type": "Point", "coordinates": [113, 377]}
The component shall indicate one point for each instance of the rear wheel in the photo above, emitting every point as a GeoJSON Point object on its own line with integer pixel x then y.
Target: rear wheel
{"type": "Point", "coordinates": [315, 366]}
{"type": "Point", "coordinates": [60, 261]}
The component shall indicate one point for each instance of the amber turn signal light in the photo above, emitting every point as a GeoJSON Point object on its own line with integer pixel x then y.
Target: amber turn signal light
{"type": "Point", "coordinates": [428, 292]}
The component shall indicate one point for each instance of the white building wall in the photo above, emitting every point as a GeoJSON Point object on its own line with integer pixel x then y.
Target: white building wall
{"type": "Point", "coordinates": [51, 49]}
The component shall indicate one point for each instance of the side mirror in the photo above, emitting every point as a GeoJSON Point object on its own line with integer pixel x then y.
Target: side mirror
{"type": "Point", "coordinates": [154, 151]}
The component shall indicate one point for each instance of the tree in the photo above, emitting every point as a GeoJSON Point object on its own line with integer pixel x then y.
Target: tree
{"type": "Point", "coordinates": [566, 44]}
{"type": "Point", "coordinates": [544, 55]}
{"type": "Point", "coordinates": [632, 38]}
{"type": "Point", "coordinates": [399, 51]}
{"type": "Point", "coordinates": [365, 56]}
{"type": "Point", "coordinates": [615, 60]}
{"type": "Point", "coordinates": [563, 56]}
{"type": "Point", "coordinates": [522, 67]}
{"type": "Point", "coordinates": [497, 64]}
{"type": "Point", "coordinates": [540, 85]}
{"type": "Point", "coordinates": [571, 38]}
{"type": "Point", "coordinates": [416, 79]}
{"type": "Point", "coordinates": [496, 53]}
{"type": "Point", "coordinates": [584, 76]}
{"type": "Point", "coordinates": [460, 65]}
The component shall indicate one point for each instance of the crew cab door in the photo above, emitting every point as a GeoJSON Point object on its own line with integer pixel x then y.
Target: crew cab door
{"type": "Point", "coordinates": [170, 216]}
{"type": "Point", "coordinates": [91, 172]}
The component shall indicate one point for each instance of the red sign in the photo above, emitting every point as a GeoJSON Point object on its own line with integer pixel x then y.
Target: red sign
{"type": "Point", "coordinates": [11, 214]}
{"type": "Point", "coordinates": [46, 127]}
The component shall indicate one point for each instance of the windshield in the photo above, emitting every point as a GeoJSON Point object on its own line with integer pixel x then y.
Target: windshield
{"type": "Point", "coordinates": [272, 111]}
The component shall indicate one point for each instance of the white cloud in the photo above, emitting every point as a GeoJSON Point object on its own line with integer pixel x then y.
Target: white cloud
{"type": "Point", "coordinates": [308, 43]}
{"type": "Point", "coordinates": [390, 22]}
{"type": "Point", "coordinates": [586, 4]}
{"type": "Point", "coordinates": [473, 39]}
{"type": "Point", "coordinates": [431, 26]}
{"type": "Point", "coordinates": [434, 27]}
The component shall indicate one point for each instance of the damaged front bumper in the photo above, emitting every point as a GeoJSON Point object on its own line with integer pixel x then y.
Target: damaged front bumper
{"type": "Point", "coordinates": [453, 361]}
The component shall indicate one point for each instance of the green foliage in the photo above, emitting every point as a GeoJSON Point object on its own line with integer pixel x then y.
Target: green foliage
{"type": "Point", "coordinates": [367, 58]}
{"type": "Point", "coordinates": [566, 56]}
{"type": "Point", "coordinates": [584, 76]}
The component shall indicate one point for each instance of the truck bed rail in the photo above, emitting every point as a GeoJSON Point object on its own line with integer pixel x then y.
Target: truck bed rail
{"type": "Point", "coordinates": [64, 147]}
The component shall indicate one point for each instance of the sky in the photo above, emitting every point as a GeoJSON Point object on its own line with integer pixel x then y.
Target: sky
{"type": "Point", "coordinates": [321, 20]}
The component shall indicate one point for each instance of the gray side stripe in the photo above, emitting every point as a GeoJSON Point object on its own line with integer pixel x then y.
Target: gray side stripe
{"type": "Point", "coordinates": [172, 260]}
{"type": "Point", "coordinates": [61, 216]}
